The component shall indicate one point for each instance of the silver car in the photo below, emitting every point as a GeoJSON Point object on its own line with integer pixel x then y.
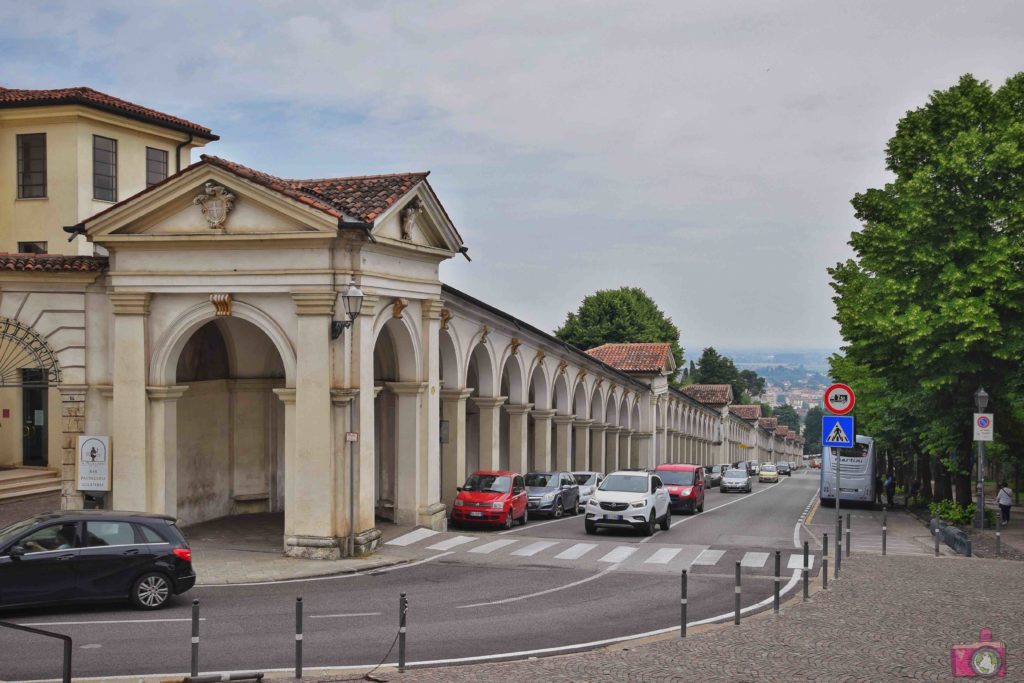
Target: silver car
{"type": "Point", "coordinates": [588, 482]}
{"type": "Point", "coordinates": [736, 480]}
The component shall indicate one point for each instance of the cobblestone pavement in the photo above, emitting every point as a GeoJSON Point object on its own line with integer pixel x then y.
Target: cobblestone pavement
{"type": "Point", "coordinates": [20, 509]}
{"type": "Point", "coordinates": [886, 619]}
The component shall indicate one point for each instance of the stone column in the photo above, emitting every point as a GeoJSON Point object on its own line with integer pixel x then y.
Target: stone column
{"type": "Point", "coordinates": [518, 433]}
{"type": "Point", "coordinates": [72, 424]}
{"type": "Point", "coordinates": [625, 448]}
{"type": "Point", "coordinates": [645, 450]}
{"type": "Point", "coordinates": [287, 397]}
{"type": "Point", "coordinates": [453, 453]}
{"type": "Point", "coordinates": [581, 445]}
{"type": "Point", "coordinates": [341, 407]}
{"type": "Point", "coordinates": [309, 506]}
{"type": "Point", "coordinates": [611, 458]}
{"type": "Point", "coordinates": [163, 448]}
{"type": "Point", "coordinates": [490, 431]}
{"type": "Point", "coordinates": [563, 441]}
{"type": "Point", "coordinates": [597, 443]}
{"type": "Point", "coordinates": [409, 461]}
{"type": "Point", "coordinates": [431, 512]}
{"type": "Point", "coordinates": [542, 439]}
{"type": "Point", "coordinates": [129, 438]}
{"type": "Point", "coordinates": [367, 536]}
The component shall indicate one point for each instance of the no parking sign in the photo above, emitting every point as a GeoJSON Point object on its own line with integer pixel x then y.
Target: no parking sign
{"type": "Point", "coordinates": [983, 426]}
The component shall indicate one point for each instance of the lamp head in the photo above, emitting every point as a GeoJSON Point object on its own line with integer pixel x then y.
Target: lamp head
{"type": "Point", "coordinates": [981, 399]}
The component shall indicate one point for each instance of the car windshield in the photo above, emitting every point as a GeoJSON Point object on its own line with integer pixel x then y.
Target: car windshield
{"type": "Point", "coordinates": [768, 468]}
{"type": "Point", "coordinates": [16, 528]}
{"type": "Point", "coordinates": [488, 483]}
{"type": "Point", "coordinates": [584, 478]}
{"type": "Point", "coordinates": [736, 473]}
{"type": "Point", "coordinates": [626, 483]}
{"type": "Point", "coordinates": [676, 478]}
{"type": "Point", "coordinates": [715, 469]}
{"type": "Point", "coordinates": [542, 480]}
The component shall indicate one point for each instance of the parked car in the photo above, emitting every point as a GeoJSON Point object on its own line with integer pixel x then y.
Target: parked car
{"type": "Point", "coordinates": [588, 482]}
{"type": "Point", "coordinates": [713, 475]}
{"type": "Point", "coordinates": [685, 484]}
{"type": "Point", "coordinates": [784, 468]}
{"type": "Point", "coordinates": [491, 498]}
{"type": "Point", "coordinates": [634, 499]}
{"type": "Point", "coordinates": [736, 480]}
{"type": "Point", "coordinates": [94, 555]}
{"type": "Point", "coordinates": [816, 464]}
{"type": "Point", "coordinates": [552, 493]}
{"type": "Point", "coordinates": [768, 473]}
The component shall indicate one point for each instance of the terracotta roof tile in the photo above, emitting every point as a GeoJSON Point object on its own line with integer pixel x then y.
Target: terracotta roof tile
{"type": "Point", "coordinates": [746, 412]}
{"type": "Point", "coordinates": [641, 357]}
{"type": "Point", "coordinates": [782, 430]}
{"type": "Point", "coordinates": [713, 394]}
{"type": "Point", "coordinates": [12, 97]}
{"type": "Point", "coordinates": [769, 423]}
{"type": "Point", "coordinates": [52, 263]}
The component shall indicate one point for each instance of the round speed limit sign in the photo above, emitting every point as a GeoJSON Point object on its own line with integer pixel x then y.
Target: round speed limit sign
{"type": "Point", "coordinates": [839, 399]}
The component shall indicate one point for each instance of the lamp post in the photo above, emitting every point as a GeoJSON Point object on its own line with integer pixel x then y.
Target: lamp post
{"type": "Point", "coordinates": [352, 300]}
{"type": "Point", "coordinates": [980, 402]}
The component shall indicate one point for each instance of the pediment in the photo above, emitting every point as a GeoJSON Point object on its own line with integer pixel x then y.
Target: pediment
{"type": "Point", "coordinates": [418, 220]}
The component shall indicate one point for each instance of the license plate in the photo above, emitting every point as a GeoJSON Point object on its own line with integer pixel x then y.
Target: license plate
{"type": "Point", "coordinates": [476, 514]}
{"type": "Point", "coordinates": [617, 517]}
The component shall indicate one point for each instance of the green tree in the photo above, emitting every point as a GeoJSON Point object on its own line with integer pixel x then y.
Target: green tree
{"type": "Point", "coordinates": [932, 305]}
{"type": "Point", "coordinates": [621, 315]}
{"type": "Point", "coordinates": [752, 382]}
{"type": "Point", "coordinates": [788, 417]}
{"type": "Point", "coordinates": [812, 430]}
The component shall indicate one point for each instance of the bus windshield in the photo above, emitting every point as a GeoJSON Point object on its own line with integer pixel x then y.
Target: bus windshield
{"type": "Point", "coordinates": [858, 451]}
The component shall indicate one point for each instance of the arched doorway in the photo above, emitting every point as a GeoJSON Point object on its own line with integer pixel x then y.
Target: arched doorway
{"type": "Point", "coordinates": [28, 370]}
{"type": "Point", "coordinates": [230, 425]}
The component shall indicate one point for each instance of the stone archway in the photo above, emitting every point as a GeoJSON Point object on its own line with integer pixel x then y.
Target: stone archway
{"type": "Point", "coordinates": [28, 370]}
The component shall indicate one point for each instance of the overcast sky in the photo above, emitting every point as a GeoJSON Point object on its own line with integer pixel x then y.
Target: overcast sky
{"type": "Point", "coordinates": [704, 151]}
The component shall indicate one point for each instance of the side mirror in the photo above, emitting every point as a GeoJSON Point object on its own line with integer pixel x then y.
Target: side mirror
{"type": "Point", "coordinates": [458, 489]}
{"type": "Point", "coordinates": [16, 552]}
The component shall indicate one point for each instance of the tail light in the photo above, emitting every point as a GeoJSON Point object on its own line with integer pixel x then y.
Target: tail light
{"type": "Point", "coordinates": [183, 554]}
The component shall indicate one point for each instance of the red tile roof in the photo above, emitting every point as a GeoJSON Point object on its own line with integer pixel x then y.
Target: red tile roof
{"type": "Point", "coordinates": [12, 97]}
{"type": "Point", "coordinates": [746, 412]}
{"type": "Point", "coordinates": [52, 263]}
{"type": "Point", "coordinates": [642, 358]}
{"type": "Point", "coordinates": [769, 423]}
{"type": "Point", "coordinates": [713, 394]}
{"type": "Point", "coordinates": [782, 430]}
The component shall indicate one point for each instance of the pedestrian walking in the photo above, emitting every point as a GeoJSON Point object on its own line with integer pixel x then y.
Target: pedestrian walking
{"type": "Point", "coordinates": [890, 489]}
{"type": "Point", "coordinates": [1004, 499]}
{"type": "Point", "coordinates": [878, 488]}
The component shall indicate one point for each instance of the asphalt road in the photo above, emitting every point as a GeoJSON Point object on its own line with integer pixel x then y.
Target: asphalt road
{"type": "Point", "coordinates": [460, 605]}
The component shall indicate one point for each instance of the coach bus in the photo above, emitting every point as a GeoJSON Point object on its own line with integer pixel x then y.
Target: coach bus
{"type": "Point", "coordinates": [856, 474]}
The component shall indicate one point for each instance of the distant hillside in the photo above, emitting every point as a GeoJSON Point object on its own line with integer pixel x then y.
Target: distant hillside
{"type": "Point", "coordinates": [812, 360]}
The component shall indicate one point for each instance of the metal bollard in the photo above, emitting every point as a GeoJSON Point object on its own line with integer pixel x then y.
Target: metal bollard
{"type": "Point", "coordinates": [195, 638]}
{"type": "Point", "coordinates": [848, 534]}
{"type": "Point", "coordinates": [778, 578]}
{"type": "Point", "coordinates": [938, 533]}
{"type": "Point", "coordinates": [839, 546]}
{"type": "Point", "coordinates": [682, 609]}
{"type": "Point", "coordinates": [403, 606]}
{"type": "Point", "coordinates": [884, 528]}
{"type": "Point", "coordinates": [824, 561]}
{"type": "Point", "coordinates": [999, 534]}
{"type": "Point", "coordinates": [807, 573]}
{"type": "Point", "coordinates": [737, 617]}
{"type": "Point", "coordinates": [298, 637]}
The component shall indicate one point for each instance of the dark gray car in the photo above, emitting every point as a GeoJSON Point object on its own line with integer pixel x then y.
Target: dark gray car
{"type": "Point", "coordinates": [552, 493]}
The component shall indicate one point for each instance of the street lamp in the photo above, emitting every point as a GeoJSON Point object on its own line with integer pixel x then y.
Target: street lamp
{"type": "Point", "coordinates": [980, 402]}
{"type": "Point", "coordinates": [352, 300]}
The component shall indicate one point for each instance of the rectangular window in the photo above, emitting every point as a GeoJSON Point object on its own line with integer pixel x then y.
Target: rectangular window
{"type": "Point", "coordinates": [104, 168]}
{"type": "Point", "coordinates": [32, 166]}
{"type": "Point", "coordinates": [31, 247]}
{"type": "Point", "coordinates": [156, 165]}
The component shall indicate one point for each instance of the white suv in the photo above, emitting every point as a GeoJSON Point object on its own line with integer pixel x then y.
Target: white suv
{"type": "Point", "coordinates": [635, 499]}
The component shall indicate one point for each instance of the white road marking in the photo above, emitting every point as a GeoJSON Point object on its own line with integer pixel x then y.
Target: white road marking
{"type": "Point", "coordinates": [753, 559]}
{"type": "Point", "coordinates": [412, 537]}
{"type": "Point", "coordinates": [533, 525]}
{"type": "Point", "coordinates": [543, 592]}
{"type": "Point", "coordinates": [344, 616]}
{"type": "Point", "coordinates": [797, 561]}
{"type": "Point", "coordinates": [619, 553]}
{"type": "Point", "coordinates": [452, 542]}
{"type": "Point", "coordinates": [663, 556]}
{"type": "Point", "coordinates": [699, 515]}
{"type": "Point", "coordinates": [334, 577]}
{"type": "Point", "coordinates": [709, 557]}
{"type": "Point", "coordinates": [576, 552]}
{"type": "Point", "coordinates": [488, 548]}
{"type": "Point", "coordinates": [119, 621]}
{"type": "Point", "coordinates": [533, 548]}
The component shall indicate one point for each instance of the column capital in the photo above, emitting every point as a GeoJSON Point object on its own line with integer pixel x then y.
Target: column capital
{"type": "Point", "coordinates": [73, 392]}
{"type": "Point", "coordinates": [343, 396]}
{"type": "Point", "coordinates": [543, 414]}
{"type": "Point", "coordinates": [286, 395]}
{"type": "Point", "coordinates": [488, 401]}
{"type": "Point", "coordinates": [456, 394]}
{"type": "Point", "coordinates": [599, 427]}
{"type": "Point", "coordinates": [431, 309]}
{"type": "Point", "coordinates": [130, 303]}
{"type": "Point", "coordinates": [406, 388]}
{"type": "Point", "coordinates": [105, 390]}
{"type": "Point", "coordinates": [564, 419]}
{"type": "Point", "coordinates": [172, 393]}
{"type": "Point", "coordinates": [515, 409]}
{"type": "Point", "coordinates": [643, 435]}
{"type": "Point", "coordinates": [314, 301]}
{"type": "Point", "coordinates": [369, 306]}
{"type": "Point", "coordinates": [582, 423]}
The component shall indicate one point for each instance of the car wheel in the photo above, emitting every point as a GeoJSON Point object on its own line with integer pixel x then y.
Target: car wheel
{"type": "Point", "coordinates": [575, 508]}
{"type": "Point", "coordinates": [524, 518]}
{"type": "Point", "coordinates": [701, 507]}
{"type": "Point", "coordinates": [590, 528]}
{"type": "Point", "coordinates": [648, 529]}
{"type": "Point", "coordinates": [557, 511]}
{"type": "Point", "coordinates": [509, 519]}
{"type": "Point", "coordinates": [721, 490]}
{"type": "Point", "coordinates": [666, 521]}
{"type": "Point", "coordinates": [151, 591]}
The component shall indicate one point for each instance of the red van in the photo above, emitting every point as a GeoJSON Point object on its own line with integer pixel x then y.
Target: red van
{"type": "Point", "coordinates": [491, 498]}
{"type": "Point", "coordinates": [685, 484]}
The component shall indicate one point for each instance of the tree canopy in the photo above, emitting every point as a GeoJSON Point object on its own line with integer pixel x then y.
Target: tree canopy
{"type": "Point", "coordinates": [788, 417]}
{"type": "Point", "coordinates": [714, 368]}
{"type": "Point", "coordinates": [932, 305]}
{"type": "Point", "coordinates": [621, 315]}
{"type": "Point", "coordinates": [812, 430]}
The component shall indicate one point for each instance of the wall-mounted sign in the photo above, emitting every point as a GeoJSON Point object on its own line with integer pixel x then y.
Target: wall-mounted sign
{"type": "Point", "coordinates": [92, 467]}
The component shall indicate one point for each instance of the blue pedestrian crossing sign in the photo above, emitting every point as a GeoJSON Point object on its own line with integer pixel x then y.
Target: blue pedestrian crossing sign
{"type": "Point", "coordinates": [837, 431]}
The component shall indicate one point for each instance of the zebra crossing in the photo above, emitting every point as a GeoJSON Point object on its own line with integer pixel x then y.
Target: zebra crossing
{"type": "Point", "coordinates": [600, 553]}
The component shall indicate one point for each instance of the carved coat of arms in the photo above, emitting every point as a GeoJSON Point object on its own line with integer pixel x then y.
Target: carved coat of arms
{"type": "Point", "coordinates": [216, 203]}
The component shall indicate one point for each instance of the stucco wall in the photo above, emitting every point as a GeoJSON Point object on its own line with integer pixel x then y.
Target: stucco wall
{"type": "Point", "coordinates": [204, 452]}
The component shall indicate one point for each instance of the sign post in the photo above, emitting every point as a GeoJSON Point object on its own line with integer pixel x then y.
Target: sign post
{"type": "Point", "coordinates": [838, 431]}
{"type": "Point", "coordinates": [984, 426]}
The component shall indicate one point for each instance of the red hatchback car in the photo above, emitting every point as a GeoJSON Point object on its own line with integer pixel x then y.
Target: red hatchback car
{"type": "Point", "coordinates": [491, 498]}
{"type": "Point", "coordinates": [685, 484]}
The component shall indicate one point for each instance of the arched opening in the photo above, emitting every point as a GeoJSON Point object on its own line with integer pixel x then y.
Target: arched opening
{"type": "Point", "coordinates": [479, 378]}
{"type": "Point", "coordinates": [634, 424]}
{"type": "Point", "coordinates": [230, 425]}
{"type": "Point", "coordinates": [396, 415]}
{"type": "Point", "coordinates": [28, 369]}
{"type": "Point", "coordinates": [511, 386]}
{"type": "Point", "coordinates": [538, 395]}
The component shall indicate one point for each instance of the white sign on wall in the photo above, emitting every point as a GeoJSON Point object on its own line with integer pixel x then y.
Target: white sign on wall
{"type": "Point", "coordinates": [92, 468]}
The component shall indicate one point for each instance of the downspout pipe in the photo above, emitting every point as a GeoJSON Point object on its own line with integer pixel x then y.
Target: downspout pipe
{"type": "Point", "coordinates": [177, 151]}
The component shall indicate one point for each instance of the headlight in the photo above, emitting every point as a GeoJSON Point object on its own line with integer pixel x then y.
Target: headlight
{"type": "Point", "coordinates": [458, 503]}
{"type": "Point", "coordinates": [498, 505]}
{"type": "Point", "coordinates": [687, 491]}
{"type": "Point", "coordinates": [639, 503]}
{"type": "Point", "coordinates": [548, 497]}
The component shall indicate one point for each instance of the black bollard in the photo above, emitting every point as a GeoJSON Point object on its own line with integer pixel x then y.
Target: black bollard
{"type": "Point", "coordinates": [298, 637]}
{"type": "Point", "coordinates": [682, 609]}
{"type": "Point", "coordinates": [403, 606]}
{"type": "Point", "coordinates": [807, 573]}
{"type": "Point", "coordinates": [195, 638]}
{"type": "Point", "coordinates": [848, 534]}
{"type": "Point", "coordinates": [938, 533]}
{"type": "Point", "coordinates": [884, 528]}
{"type": "Point", "coordinates": [839, 545]}
{"type": "Point", "coordinates": [778, 578]}
{"type": "Point", "coordinates": [824, 561]}
{"type": "Point", "coordinates": [999, 534]}
{"type": "Point", "coordinates": [737, 617]}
